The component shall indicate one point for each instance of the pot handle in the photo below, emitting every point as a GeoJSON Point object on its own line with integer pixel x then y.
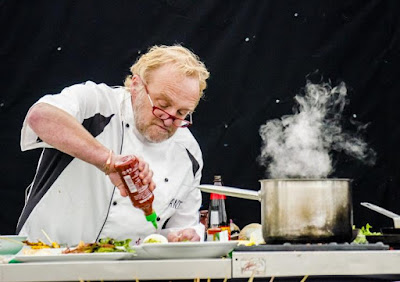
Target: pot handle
{"type": "Point", "coordinates": [230, 191]}
{"type": "Point", "coordinates": [395, 217]}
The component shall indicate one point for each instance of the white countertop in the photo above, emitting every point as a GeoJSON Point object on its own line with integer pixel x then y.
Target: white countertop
{"type": "Point", "coordinates": [242, 264]}
{"type": "Point", "coordinates": [315, 263]}
{"type": "Point", "coordinates": [117, 270]}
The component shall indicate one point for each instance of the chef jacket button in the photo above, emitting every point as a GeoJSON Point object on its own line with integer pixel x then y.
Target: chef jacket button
{"type": "Point", "coordinates": [127, 125]}
{"type": "Point", "coordinates": [158, 218]}
{"type": "Point", "coordinates": [166, 179]}
{"type": "Point", "coordinates": [114, 203]}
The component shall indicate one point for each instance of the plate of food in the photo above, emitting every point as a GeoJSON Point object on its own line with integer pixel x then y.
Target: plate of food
{"type": "Point", "coordinates": [184, 250]}
{"type": "Point", "coordinates": [105, 249]}
{"type": "Point", "coordinates": [72, 257]}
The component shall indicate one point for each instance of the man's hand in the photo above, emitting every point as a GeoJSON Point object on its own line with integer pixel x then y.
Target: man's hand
{"type": "Point", "coordinates": [188, 234]}
{"type": "Point", "coordinates": [146, 175]}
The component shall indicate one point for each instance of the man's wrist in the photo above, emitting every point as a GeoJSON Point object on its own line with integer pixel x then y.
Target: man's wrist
{"type": "Point", "coordinates": [107, 167]}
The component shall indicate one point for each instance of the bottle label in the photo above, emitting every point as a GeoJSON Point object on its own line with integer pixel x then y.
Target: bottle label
{"type": "Point", "coordinates": [228, 231]}
{"type": "Point", "coordinates": [145, 196]}
{"type": "Point", "coordinates": [224, 235]}
{"type": "Point", "coordinates": [130, 184]}
{"type": "Point", "coordinates": [213, 234]}
{"type": "Point", "coordinates": [214, 218]}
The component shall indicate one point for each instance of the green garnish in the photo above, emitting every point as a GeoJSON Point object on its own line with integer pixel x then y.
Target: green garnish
{"type": "Point", "coordinates": [363, 232]}
{"type": "Point", "coordinates": [366, 231]}
{"type": "Point", "coordinates": [110, 245]}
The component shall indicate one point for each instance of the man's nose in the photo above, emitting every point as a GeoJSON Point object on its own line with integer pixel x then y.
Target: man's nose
{"type": "Point", "coordinates": [168, 122]}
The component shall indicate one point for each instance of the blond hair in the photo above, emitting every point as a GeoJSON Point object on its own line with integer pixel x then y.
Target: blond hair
{"type": "Point", "coordinates": [185, 61]}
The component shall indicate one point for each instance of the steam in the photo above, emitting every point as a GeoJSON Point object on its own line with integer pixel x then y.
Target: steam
{"type": "Point", "coordinates": [299, 145]}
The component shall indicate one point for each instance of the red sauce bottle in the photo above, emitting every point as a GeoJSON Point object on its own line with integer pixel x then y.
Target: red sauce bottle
{"type": "Point", "coordinates": [140, 195]}
{"type": "Point", "coordinates": [218, 220]}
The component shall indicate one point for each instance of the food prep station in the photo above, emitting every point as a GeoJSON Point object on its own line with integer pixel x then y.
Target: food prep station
{"type": "Point", "coordinates": [221, 260]}
{"type": "Point", "coordinates": [242, 264]}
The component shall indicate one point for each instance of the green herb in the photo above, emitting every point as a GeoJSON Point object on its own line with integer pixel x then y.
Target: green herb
{"type": "Point", "coordinates": [363, 232]}
{"type": "Point", "coordinates": [360, 239]}
{"type": "Point", "coordinates": [112, 245]}
{"type": "Point", "coordinates": [106, 245]}
{"type": "Point", "coordinates": [366, 231]}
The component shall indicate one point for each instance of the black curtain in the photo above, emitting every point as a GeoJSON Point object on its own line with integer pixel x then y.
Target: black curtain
{"type": "Point", "coordinates": [259, 53]}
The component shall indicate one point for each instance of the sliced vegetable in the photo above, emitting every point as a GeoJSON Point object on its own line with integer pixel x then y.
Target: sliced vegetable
{"type": "Point", "coordinates": [105, 245]}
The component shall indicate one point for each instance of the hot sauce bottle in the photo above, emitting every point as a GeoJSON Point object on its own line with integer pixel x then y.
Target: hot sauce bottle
{"type": "Point", "coordinates": [218, 220]}
{"type": "Point", "coordinates": [140, 195]}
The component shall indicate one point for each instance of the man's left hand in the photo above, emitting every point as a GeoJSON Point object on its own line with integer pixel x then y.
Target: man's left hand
{"type": "Point", "coordinates": [184, 235]}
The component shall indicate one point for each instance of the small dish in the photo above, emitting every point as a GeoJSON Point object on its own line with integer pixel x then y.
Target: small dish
{"type": "Point", "coordinates": [11, 244]}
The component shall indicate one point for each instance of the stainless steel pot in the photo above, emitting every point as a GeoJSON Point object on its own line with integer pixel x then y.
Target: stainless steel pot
{"type": "Point", "coordinates": [300, 210]}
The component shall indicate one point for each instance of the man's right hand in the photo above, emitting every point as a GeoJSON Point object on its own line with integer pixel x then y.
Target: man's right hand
{"type": "Point", "coordinates": [146, 175]}
{"type": "Point", "coordinates": [73, 139]}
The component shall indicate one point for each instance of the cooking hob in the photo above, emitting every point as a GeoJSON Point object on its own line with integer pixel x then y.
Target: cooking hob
{"type": "Point", "coordinates": [313, 247]}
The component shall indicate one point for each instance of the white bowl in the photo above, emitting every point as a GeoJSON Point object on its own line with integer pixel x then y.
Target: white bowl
{"type": "Point", "coordinates": [11, 244]}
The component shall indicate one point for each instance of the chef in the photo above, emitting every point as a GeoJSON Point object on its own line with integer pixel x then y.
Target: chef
{"type": "Point", "coordinates": [76, 193]}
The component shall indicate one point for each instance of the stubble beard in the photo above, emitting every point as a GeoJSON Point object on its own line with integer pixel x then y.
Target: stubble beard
{"type": "Point", "coordinates": [150, 131]}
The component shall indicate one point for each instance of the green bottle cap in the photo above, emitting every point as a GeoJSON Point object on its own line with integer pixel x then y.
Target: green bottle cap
{"type": "Point", "coordinates": [153, 218]}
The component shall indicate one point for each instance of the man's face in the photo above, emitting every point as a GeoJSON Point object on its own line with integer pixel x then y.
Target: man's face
{"type": "Point", "coordinates": [170, 91]}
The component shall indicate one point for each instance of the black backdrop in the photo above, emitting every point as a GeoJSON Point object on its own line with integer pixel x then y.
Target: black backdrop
{"type": "Point", "coordinates": [257, 52]}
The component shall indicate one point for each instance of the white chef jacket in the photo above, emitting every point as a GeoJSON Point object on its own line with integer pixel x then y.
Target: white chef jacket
{"type": "Point", "coordinates": [72, 200]}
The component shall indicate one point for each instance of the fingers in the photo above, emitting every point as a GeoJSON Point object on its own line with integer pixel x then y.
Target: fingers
{"type": "Point", "coordinates": [189, 234]}
{"type": "Point", "coordinates": [122, 190]}
{"type": "Point", "coordinates": [173, 237]}
{"type": "Point", "coordinates": [195, 238]}
{"type": "Point", "coordinates": [185, 235]}
{"type": "Point", "coordinates": [152, 186]}
{"type": "Point", "coordinates": [146, 174]}
{"type": "Point", "coordinates": [118, 182]}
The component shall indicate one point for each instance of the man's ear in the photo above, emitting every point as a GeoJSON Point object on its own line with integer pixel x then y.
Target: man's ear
{"type": "Point", "coordinates": [134, 86]}
{"type": "Point", "coordinates": [135, 80]}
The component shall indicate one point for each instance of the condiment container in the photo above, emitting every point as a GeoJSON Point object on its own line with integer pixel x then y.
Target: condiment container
{"type": "Point", "coordinates": [141, 196]}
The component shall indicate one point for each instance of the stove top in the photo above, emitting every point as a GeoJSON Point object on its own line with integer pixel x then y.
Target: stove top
{"type": "Point", "coordinates": [313, 247]}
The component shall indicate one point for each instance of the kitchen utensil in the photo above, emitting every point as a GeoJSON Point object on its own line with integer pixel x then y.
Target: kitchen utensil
{"type": "Point", "coordinates": [300, 210]}
{"type": "Point", "coordinates": [392, 215]}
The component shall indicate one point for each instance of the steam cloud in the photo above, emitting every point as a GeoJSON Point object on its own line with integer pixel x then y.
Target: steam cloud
{"type": "Point", "coordinates": [299, 145]}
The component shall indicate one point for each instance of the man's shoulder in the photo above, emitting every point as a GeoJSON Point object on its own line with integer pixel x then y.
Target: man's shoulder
{"type": "Point", "coordinates": [94, 93]}
{"type": "Point", "coordinates": [185, 138]}
{"type": "Point", "coordinates": [90, 85]}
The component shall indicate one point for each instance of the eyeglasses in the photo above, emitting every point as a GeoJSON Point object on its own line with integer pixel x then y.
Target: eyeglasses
{"type": "Point", "coordinates": [163, 115]}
